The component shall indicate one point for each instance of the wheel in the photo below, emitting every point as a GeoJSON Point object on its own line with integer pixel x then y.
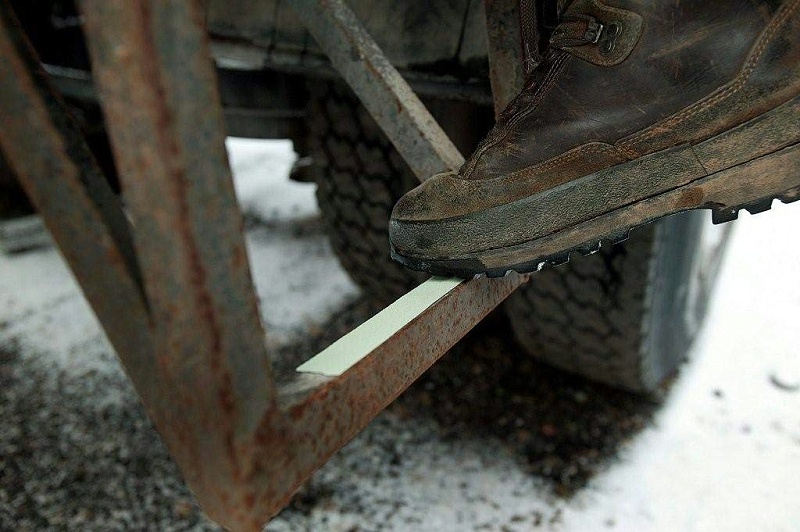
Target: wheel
{"type": "Point", "coordinates": [14, 203]}
{"type": "Point", "coordinates": [359, 178]}
{"type": "Point", "coordinates": [624, 316]}
{"type": "Point", "coordinates": [627, 315]}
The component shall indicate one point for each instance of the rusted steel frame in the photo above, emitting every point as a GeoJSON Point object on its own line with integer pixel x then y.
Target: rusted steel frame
{"type": "Point", "coordinates": [315, 426]}
{"type": "Point", "coordinates": [55, 166]}
{"type": "Point", "coordinates": [157, 87]}
{"type": "Point", "coordinates": [396, 109]}
{"type": "Point", "coordinates": [506, 65]}
{"type": "Point", "coordinates": [242, 452]}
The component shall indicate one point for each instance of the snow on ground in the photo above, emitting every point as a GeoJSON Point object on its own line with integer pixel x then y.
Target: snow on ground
{"type": "Point", "coordinates": [722, 454]}
{"type": "Point", "coordinates": [725, 451]}
{"type": "Point", "coordinates": [260, 169]}
{"type": "Point", "coordinates": [293, 268]}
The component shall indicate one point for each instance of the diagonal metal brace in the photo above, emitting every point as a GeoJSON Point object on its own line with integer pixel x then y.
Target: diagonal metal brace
{"type": "Point", "coordinates": [58, 171]}
{"type": "Point", "coordinates": [396, 109]}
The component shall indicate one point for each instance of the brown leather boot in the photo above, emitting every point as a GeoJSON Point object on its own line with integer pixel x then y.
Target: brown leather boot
{"type": "Point", "coordinates": [638, 110]}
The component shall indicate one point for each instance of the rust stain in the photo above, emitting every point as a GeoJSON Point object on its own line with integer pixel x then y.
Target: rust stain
{"type": "Point", "coordinates": [690, 198]}
{"type": "Point", "coordinates": [165, 128]}
{"type": "Point", "coordinates": [249, 501]}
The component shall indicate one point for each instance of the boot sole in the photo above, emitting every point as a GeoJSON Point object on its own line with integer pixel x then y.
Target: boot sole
{"type": "Point", "coordinates": [746, 167]}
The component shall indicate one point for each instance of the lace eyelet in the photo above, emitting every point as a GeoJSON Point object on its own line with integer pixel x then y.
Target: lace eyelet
{"type": "Point", "coordinates": [609, 38]}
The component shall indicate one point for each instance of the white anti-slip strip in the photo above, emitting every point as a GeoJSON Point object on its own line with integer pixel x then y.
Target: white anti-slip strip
{"type": "Point", "coordinates": [349, 349]}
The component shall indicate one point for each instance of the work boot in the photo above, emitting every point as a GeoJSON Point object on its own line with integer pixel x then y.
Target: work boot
{"type": "Point", "coordinates": [638, 109]}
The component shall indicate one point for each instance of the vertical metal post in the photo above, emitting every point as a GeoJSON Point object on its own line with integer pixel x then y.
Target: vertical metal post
{"type": "Point", "coordinates": [157, 86]}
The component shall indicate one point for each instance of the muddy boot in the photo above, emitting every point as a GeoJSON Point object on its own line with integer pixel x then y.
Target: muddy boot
{"type": "Point", "coordinates": [638, 110]}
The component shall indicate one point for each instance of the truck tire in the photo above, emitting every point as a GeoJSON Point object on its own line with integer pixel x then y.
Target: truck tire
{"type": "Point", "coordinates": [14, 203]}
{"type": "Point", "coordinates": [359, 178]}
{"type": "Point", "coordinates": [624, 316]}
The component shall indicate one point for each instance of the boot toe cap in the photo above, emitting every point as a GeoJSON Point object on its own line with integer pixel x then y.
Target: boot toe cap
{"type": "Point", "coordinates": [440, 197]}
{"type": "Point", "coordinates": [418, 217]}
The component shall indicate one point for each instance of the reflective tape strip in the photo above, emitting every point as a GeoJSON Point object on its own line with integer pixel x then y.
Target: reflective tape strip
{"type": "Point", "coordinates": [349, 349]}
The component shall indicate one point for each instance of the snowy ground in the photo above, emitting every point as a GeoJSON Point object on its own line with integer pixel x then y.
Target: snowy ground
{"type": "Point", "coordinates": [722, 452]}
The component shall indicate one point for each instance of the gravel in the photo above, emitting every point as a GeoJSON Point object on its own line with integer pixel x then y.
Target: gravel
{"type": "Point", "coordinates": [79, 452]}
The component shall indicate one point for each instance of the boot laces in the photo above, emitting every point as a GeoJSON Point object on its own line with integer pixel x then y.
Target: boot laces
{"type": "Point", "coordinates": [576, 30]}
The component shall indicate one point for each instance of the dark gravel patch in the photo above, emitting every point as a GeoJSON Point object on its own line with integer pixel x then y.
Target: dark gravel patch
{"type": "Point", "coordinates": [71, 458]}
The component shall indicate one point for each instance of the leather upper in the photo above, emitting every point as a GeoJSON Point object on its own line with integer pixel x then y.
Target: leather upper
{"type": "Point", "coordinates": [577, 115]}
